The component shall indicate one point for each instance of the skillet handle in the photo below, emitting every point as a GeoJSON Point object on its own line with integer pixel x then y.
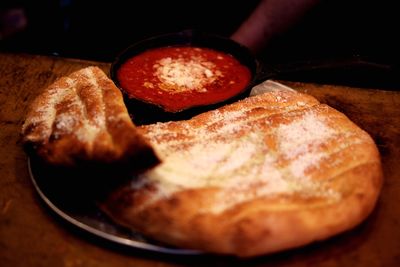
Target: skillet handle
{"type": "Point", "coordinates": [306, 66]}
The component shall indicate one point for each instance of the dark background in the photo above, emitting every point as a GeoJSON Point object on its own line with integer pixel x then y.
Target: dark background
{"type": "Point", "coordinates": [100, 29]}
{"type": "Point", "coordinates": [334, 30]}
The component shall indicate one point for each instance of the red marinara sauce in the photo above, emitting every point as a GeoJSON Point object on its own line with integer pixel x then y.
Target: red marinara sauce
{"type": "Point", "coordinates": [180, 77]}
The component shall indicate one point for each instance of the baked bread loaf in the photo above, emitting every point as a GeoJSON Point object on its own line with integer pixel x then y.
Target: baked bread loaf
{"type": "Point", "coordinates": [268, 173]}
{"type": "Point", "coordinates": [82, 119]}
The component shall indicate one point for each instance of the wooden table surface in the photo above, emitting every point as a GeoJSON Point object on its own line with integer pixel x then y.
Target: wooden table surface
{"type": "Point", "coordinates": [30, 235]}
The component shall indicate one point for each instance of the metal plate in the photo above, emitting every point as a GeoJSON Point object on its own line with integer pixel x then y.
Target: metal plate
{"type": "Point", "coordinates": [85, 214]}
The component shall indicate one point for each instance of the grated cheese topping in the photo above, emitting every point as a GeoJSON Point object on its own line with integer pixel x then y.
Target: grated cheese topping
{"type": "Point", "coordinates": [183, 74]}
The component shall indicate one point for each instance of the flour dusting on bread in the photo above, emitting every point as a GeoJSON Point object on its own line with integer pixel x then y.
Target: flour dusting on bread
{"type": "Point", "coordinates": [82, 118]}
{"type": "Point", "coordinates": [271, 172]}
{"type": "Point", "coordinates": [253, 151]}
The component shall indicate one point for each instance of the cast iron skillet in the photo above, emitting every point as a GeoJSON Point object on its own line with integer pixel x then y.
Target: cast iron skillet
{"type": "Point", "coordinates": [144, 113]}
{"type": "Point", "coordinates": [148, 113]}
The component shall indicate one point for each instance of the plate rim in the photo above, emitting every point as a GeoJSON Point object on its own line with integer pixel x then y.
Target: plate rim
{"type": "Point", "coordinates": [99, 233]}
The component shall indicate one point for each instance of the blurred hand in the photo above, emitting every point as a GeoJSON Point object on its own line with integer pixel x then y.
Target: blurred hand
{"type": "Point", "coordinates": [270, 18]}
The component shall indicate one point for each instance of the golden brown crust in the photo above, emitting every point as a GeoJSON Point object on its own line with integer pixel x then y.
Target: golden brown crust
{"type": "Point", "coordinates": [82, 118]}
{"type": "Point", "coordinates": [297, 187]}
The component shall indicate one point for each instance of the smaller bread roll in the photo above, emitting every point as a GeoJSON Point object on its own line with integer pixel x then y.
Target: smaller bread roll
{"type": "Point", "coordinates": [81, 118]}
